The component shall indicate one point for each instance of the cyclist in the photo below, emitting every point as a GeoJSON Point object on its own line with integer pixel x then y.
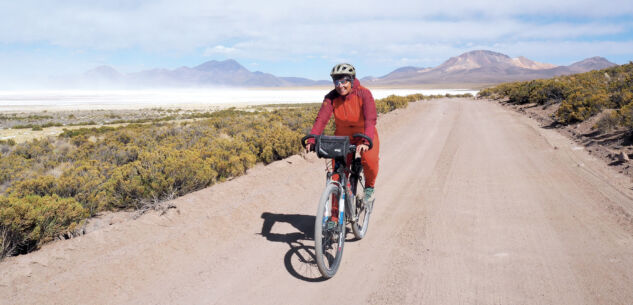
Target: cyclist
{"type": "Point", "coordinates": [354, 112]}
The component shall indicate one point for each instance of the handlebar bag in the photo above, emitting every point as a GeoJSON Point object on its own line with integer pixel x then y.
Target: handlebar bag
{"type": "Point", "coordinates": [332, 147]}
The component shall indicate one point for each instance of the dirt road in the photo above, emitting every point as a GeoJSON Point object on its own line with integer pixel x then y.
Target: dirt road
{"type": "Point", "coordinates": [475, 205]}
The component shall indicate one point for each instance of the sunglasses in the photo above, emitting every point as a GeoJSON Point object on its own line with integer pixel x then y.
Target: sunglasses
{"type": "Point", "coordinates": [341, 81]}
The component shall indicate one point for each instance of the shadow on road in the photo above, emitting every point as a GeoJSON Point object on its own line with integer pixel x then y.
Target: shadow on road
{"type": "Point", "coordinates": [300, 260]}
{"type": "Point", "coordinates": [552, 125]}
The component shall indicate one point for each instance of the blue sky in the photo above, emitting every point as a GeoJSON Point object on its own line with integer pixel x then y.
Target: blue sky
{"type": "Point", "coordinates": [44, 39]}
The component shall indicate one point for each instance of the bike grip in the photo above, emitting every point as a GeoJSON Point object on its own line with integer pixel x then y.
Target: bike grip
{"type": "Point", "coordinates": [360, 135]}
{"type": "Point", "coordinates": [303, 140]}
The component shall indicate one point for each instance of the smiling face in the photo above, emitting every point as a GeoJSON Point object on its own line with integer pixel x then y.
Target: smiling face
{"type": "Point", "coordinates": [343, 85]}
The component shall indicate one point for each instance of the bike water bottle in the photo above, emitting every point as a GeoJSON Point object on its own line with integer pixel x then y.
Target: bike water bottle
{"type": "Point", "coordinates": [341, 208]}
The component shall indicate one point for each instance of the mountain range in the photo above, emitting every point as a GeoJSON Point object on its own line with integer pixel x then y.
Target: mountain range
{"type": "Point", "coordinates": [474, 67]}
{"type": "Point", "coordinates": [227, 73]}
{"type": "Point", "coordinates": [485, 67]}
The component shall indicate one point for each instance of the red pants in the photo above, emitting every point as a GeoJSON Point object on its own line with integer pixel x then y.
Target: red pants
{"type": "Point", "coordinates": [370, 159]}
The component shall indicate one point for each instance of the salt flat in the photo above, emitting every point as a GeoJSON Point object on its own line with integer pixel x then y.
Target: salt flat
{"type": "Point", "coordinates": [53, 100]}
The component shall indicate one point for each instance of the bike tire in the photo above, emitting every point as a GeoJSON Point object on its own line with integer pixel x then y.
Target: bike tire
{"type": "Point", "coordinates": [328, 242]}
{"type": "Point", "coordinates": [363, 209]}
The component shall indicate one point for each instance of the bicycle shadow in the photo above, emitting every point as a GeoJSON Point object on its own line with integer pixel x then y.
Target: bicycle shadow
{"type": "Point", "coordinates": [300, 260]}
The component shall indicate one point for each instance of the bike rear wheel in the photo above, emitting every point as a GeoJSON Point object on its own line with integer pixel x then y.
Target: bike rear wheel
{"type": "Point", "coordinates": [328, 240]}
{"type": "Point", "coordinates": [363, 209]}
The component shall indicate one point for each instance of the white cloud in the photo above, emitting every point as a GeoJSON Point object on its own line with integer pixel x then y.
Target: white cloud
{"type": "Point", "coordinates": [219, 49]}
{"type": "Point", "coordinates": [291, 31]}
{"type": "Point", "coordinates": [192, 24]}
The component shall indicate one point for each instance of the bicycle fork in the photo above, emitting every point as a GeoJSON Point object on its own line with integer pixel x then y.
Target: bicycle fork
{"type": "Point", "coordinates": [341, 207]}
{"type": "Point", "coordinates": [346, 201]}
{"type": "Point", "coordinates": [349, 201]}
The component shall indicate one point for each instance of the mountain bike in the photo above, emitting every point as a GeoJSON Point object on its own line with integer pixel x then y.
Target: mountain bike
{"type": "Point", "coordinates": [345, 182]}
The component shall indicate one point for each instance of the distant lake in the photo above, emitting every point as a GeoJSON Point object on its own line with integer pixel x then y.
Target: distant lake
{"type": "Point", "coordinates": [137, 99]}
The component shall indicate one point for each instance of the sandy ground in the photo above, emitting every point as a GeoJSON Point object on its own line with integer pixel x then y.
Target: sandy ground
{"type": "Point", "coordinates": [604, 144]}
{"type": "Point", "coordinates": [475, 204]}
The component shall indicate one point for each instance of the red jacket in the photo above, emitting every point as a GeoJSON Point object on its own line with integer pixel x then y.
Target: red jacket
{"type": "Point", "coordinates": [353, 113]}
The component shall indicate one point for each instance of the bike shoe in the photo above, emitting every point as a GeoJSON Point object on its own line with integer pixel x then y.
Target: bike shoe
{"type": "Point", "coordinates": [369, 195]}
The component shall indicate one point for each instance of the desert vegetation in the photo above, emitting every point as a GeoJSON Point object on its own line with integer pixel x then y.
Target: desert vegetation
{"type": "Point", "coordinates": [101, 117]}
{"type": "Point", "coordinates": [50, 186]}
{"type": "Point", "coordinates": [578, 96]}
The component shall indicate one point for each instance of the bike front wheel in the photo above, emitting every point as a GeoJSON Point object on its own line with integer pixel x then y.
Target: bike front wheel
{"type": "Point", "coordinates": [329, 236]}
{"type": "Point", "coordinates": [362, 209]}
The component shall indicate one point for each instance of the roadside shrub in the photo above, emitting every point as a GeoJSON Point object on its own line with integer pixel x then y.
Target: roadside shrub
{"type": "Point", "coordinates": [125, 188]}
{"type": "Point", "coordinates": [621, 90]}
{"type": "Point", "coordinates": [580, 105]}
{"type": "Point", "coordinates": [545, 91]}
{"type": "Point", "coordinates": [28, 222]}
{"type": "Point", "coordinates": [230, 158]}
{"type": "Point", "coordinates": [490, 93]}
{"type": "Point", "coordinates": [625, 115]}
{"type": "Point", "coordinates": [520, 93]}
{"type": "Point", "coordinates": [607, 122]}
{"type": "Point", "coordinates": [579, 96]}
{"type": "Point", "coordinates": [157, 175]}
{"type": "Point", "coordinates": [84, 182]}
{"type": "Point", "coordinates": [13, 167]}
{"type": "Point", "coordinates": [415, 97]}
{"type": "Point", "coordinates": [41, 185]}
{"type": "Point", "coordinates": [390, 103]}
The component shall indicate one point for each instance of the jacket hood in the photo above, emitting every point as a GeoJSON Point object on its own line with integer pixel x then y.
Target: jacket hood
{"type": "Point", "coordinates": [356, 83]}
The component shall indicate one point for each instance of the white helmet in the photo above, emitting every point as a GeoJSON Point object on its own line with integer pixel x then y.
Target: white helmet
{"type": "Point", "coordinates": [343, 69]}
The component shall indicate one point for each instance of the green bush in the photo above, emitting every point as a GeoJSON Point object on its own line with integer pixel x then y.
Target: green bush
{"type": "Point", "coordinates": [157, 175]}
{"type": "Point", "coordinates": [40, 186]}
{"type": "Point", "coordinates": [621, 90]}
{"type": "Point", "coordinates": [84, 182]}
{"type": "Point", "coordinates": [28, 222]}
{"type": "Point", "coordinates": [580, 105]}
{"type": "Point", "coordinates": [13, 167]}
{"type": "Point", "coordinates": [625, 115]}
{"type": "Point", "coordinates": [608, 122]}
{"type": "Point", "coordinates": [580, 96]}
{"type": "Point", "coordinates": [391, 103]}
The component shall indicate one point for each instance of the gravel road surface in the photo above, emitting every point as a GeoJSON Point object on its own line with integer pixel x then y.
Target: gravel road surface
{"type": "Point", "coordinates": [475, 205]}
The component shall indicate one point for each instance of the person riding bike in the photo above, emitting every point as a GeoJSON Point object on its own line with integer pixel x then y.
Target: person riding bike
{"type": "Point", "coordinates": [354, 112]}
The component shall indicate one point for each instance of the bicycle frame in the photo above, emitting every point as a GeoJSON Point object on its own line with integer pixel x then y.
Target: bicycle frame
{"type": "Point", "coordinates": [346, 173]}
{"type": "Point", "coordinates": [347, 184]}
